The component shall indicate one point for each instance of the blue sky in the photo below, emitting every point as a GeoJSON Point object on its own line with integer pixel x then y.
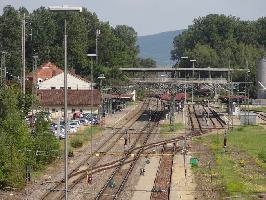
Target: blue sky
{"type": "Point", "coordinates": [154, 16]}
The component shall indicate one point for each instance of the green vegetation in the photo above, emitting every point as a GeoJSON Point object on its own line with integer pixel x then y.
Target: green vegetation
{"type": "Point", "coordinates": [117, 45]}
{"type": "Point", "coordinates": [258, 109]}
{"type": "Point", "coordinates": [19, 145]}
{"type": "Point", "coordinates": [83, 136]}
{"type": "Point", "coordinates": [219, 41]}
{"type": "Point", "coordinates": [166, 128]}
{"type": "Point", "coordinates": [241, 169]}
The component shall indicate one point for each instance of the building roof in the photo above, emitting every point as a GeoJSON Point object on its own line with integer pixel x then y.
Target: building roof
{"type": "Point", "coordinates": [46, 71]}
{"type": "Point", "coordinates": [75, 97]}
{"type": "Point", "coordinates": [49, 70]}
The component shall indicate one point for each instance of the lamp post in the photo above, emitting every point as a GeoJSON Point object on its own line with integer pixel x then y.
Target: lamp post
{"type": "Point", "coordinates": [98, 32]}
{"type": "Point", "coordinates": [193, 61]}
{"type": "Point", "coordinates": [65, 9]}
{"type": "Point", "coordinates": [34, 84]}
{"type": "Point", "coordinates": [248, 71]}
{"type": "Point", "coordinates": [184, 117]}
{"type": "Point", "coordinates": [101, 77]}
{"type": "Point", "coordinates": [23, 54]}
{"type": "Point", "coordinates": [91, 63]}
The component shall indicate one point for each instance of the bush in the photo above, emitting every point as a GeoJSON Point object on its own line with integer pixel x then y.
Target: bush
{"type": "Point", "coordinates": [76, 142]}
{"type": "Point", "coordinates": [262, 155]}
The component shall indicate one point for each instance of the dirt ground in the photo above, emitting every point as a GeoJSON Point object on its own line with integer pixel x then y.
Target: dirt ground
{"type": "Point", "coordinates": [206, 186]}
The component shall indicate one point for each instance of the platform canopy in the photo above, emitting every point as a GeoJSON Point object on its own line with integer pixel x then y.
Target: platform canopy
{"type": "Point", "coordinates": [170, 69]}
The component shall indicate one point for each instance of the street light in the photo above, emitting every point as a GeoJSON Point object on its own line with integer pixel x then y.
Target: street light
{"type": "Point", "coordinates": [91, 56]}
{"type": "Point", "coordinates": [98, 32]}
{"type": "Point", "coordinates": [65, 9]}
{"type": "Point", "coordinates": [185, 101]}
{"type": "Point", "coordinates": [34, 84]}
{"type": "Point", "coordinates": [193, 61]}
{"type": "Point", "coordinates": [101, 77]}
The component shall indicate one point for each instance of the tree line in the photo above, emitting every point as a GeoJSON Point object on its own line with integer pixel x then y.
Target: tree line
{"type": "Point", "coordinates": [222, 41]}
{"type": "Point", "coordinates": [44, 37]}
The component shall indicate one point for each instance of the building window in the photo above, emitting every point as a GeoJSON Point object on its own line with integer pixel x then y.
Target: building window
{"type": "Point", "coordinates": [53, 110]}
{"type": "Point", "coordinates": [80, 110]}
{"type": "Point", "coordinates": [69, 88]}
{"type": "Point", "coordinates": [61, 88]}
{"type": "Point", "coordinates": [73, 110]}
{"type": "Point", "coordinates": [53, 88]}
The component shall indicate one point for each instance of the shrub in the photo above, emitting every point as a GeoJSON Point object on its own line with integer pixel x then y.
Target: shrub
{"type": "Point", "coordinates": [262, 155]}
{"type": "Point", "coordinates": [76, 142]}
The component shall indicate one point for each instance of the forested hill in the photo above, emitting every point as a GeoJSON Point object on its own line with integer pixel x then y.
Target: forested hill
{"type": "Point", "coordinates": [158, 46]}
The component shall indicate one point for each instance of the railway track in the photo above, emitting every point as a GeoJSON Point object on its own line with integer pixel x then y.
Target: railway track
{"type": "Point", "coordinates": [121, 174]}
{"type": "Point", "coordinates": [113, 164]}
{"type": "Point", "coordinates": [197, 120]}
{"type": "Point", "coordinates": [262, 116]}
{"type": "Point", "coordinates": [215, 119]}
{"type": "Point", "coordinates": [209, 117]}
{"type": "Point", "coordinates": [218, 118]}
{"type": "Point", "coordinates": [193, 117]}
{"type": "Point", "coordinates": [57, 191]}
{"type": "Point", "coordinates": [197, 116]}
{"type": "Point", "coordinates": [162, 183]}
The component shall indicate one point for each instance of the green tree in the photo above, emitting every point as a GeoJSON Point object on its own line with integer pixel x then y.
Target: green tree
{"type": "Point", "coordinates": [10, 38]}
{"type": "Point", "coordinates": [220, 41]}
{"type": "Point", "coordinates": [15, 139]}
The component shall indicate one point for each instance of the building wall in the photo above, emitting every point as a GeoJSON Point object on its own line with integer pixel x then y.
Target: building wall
{"type": "Point", "coordinates": [57, 82]}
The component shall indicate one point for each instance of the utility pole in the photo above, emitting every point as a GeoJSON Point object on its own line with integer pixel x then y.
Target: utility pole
{"type": "Point", "coordinates": [193, 61]}
{"type": "Point", "coordinates": [23, 56]}
{"type": "Point", "coordinates": [98, 32]}
{"type": "Point", "coordinates": [34, 82]}
{"type": "Point", "coordinates": [65, 9]}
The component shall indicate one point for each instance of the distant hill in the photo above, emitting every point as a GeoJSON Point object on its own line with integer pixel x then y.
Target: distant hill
{"type": "Point", "coordinates": [158, 46]}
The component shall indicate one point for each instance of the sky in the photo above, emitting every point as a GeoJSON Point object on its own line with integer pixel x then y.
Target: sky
{"type": "Point", "coordinates": [154, 16]}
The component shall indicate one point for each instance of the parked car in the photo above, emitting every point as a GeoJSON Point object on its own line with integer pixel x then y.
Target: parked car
{"type": "Point", "coordinates": [73, 124]}
{"type": "Point", "coordinates": [61, 134]}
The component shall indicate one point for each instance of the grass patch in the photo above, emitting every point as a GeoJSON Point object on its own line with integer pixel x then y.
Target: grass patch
{"type": "Point", "coordinates": [84, 136]}
{"type": "Point", "coordinates": [76, 140]}
{"type": "Point", "coordinates": [165, 128]}
{"type": "Point", "coordinates": [259, 109]}
{"type": "Point", "coordinates": [240, 170]}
